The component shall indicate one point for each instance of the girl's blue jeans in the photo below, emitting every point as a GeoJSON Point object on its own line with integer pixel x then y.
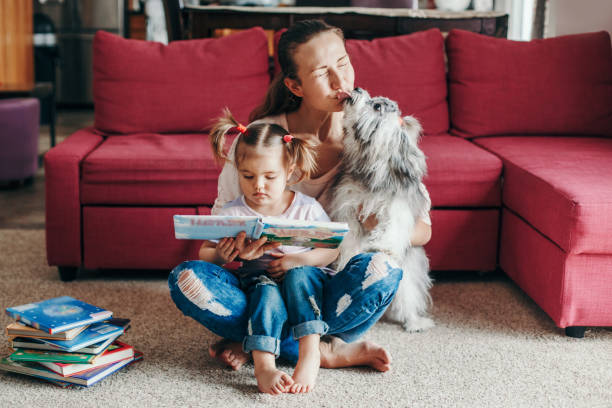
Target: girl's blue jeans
{"type": "Point", "coordinates": [309, 301]}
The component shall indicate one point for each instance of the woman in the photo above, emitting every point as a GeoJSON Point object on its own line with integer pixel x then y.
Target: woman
{"type": "Point", "coordinates": [307, 100]}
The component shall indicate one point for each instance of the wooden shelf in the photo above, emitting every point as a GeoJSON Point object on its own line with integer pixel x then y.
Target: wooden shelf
{"type": "Point", "coordinates": [357, 22]}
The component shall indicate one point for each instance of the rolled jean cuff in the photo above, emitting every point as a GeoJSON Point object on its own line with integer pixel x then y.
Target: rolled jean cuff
{"type": "Point", "coordinates": [261, 343]}
{"type": "Point", "coordinates": [311, 327]}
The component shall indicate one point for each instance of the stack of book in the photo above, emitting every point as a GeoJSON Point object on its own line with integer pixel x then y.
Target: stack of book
{"type": "Point", "coordinates": [66, 342]}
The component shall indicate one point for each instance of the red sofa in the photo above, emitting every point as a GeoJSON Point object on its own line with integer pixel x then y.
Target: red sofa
{"type": "Point", "coordinates": [518, 138]}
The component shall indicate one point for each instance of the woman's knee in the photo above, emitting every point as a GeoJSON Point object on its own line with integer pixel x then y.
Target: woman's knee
{"type": "Point", "coordinates": [197, 283]}
{"type": "Point", "coordinates": [177, 271]}
{"type": "Point", "coordinates": [202, 270]}
{"type": "Point", "coordinates": [375, 268]}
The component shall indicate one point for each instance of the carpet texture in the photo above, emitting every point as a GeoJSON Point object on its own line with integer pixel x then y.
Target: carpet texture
{"type": "Point", "coordinates": [492, 346]}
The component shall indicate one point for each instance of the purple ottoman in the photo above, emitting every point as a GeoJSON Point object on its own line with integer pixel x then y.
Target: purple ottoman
{"type": "Point", "coordinates": [19, 120]}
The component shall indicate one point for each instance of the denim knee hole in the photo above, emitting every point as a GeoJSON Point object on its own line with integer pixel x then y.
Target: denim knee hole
{"type": "Point", "coordinates": [378, 268]}
{"type": "Point", "coordinates": [264, 280]}
{"type": "Point", "coordinates": [195, 291]}
{"type": "Point", "coordinates": [315, 307]}
{"type": "Point", "coordinates": [343, 303]}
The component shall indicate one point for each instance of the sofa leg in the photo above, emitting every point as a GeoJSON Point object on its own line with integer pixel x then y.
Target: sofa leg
{"type": "Point", "coordinates": [68, 273]}
{"type": "Point", "coordinates": [575, 331]}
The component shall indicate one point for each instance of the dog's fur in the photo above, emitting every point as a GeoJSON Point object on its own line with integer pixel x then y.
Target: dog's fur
{"type": "Point", "coordinates": [381, 173]}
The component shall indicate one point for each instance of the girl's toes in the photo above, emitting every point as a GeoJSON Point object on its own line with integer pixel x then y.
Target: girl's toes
{"type": "Point", "coordinates": [286, 380]}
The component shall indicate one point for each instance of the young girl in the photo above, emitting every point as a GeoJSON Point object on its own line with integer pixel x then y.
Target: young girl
{"type": "Point", "coordinates": [266, 157]}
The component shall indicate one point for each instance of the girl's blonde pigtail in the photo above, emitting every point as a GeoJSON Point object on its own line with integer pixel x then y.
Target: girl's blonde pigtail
{"type": "Point", "coordinates": [304, 157]}
{"type": "Point", "coordinates": [218, 132]}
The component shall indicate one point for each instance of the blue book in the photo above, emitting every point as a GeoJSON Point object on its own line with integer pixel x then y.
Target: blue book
{"type": "Point", "coordinates": [314, 234]}
{"type": "Point", "coordinates": [58, 314]}
{"type": "Point", "coordinates": [96, 333]}
{"type": "Point", "coordinates": [38, 344]}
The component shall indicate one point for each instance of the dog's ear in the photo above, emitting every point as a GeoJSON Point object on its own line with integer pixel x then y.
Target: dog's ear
{"type": "Point", "coordinates": [408, 160]}
{"type": "Point", "coordinates": [413, 127]}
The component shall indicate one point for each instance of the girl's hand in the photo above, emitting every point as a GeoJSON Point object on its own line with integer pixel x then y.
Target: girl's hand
{"type": "Point", "coordinates": [279, 267]}
{"type": "Point", "coordinates": [226, 250]}
{"type": "Point", "coordinates": [249, 250]}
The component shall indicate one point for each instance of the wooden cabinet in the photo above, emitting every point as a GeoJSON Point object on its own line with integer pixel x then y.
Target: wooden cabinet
{"type": "Point", "coordinates": [16, 44]}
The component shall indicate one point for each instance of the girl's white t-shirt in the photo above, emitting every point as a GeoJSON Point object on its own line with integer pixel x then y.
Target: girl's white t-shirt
{"type": "Point", "coordinates": [302, 208]}
{"type": "Point", "coordinates": [229, 189]}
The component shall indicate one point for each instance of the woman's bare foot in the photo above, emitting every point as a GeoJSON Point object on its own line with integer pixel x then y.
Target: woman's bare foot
{"type": "Point", "coordinates": [229, 353]}
{"type": "Point", "coordinates": [307, 368]}
{"type": "Point", "coordinates": [270, 379]}
{"type": "Point", "coordinates": [337, 354]}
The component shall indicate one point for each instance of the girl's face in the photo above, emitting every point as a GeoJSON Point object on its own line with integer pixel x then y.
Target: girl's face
{"type": "Point", "coordinates": [325, 72]}
{"type": "Point", "coordinates": [263, 177]}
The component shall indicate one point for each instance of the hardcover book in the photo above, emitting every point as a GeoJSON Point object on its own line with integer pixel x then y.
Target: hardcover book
{"type": "Point", "coordinates": [95, 333]}
{"type": "Point", "coordinates": [86, 379]}
{"type": "Point", "coordinates": [40, 344]}
{"type": "Point", "coordinates": [40, 356]}
{"type": "Point", "coordinates": [116, 352]}
{"type": "Point", "coordinates": [21, 330]}
{"type": "Point", "coordinates": [58, 314]}
{"type": "Point", "coordinates": [289, 232]}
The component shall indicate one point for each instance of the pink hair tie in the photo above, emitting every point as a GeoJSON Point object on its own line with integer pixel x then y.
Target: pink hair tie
{"type": "Point", "coordinates": [287, 138]}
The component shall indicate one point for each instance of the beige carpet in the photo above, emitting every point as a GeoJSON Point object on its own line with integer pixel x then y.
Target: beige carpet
{"type": "Point", "coordinates": [492, 347]}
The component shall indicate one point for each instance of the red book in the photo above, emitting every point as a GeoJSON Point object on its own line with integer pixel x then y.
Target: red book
{"type": "Point", "coordinates": [116, 352]}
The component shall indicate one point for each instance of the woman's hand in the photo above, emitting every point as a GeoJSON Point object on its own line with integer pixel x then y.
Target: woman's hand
{"type": "Point", "coordinates": [421, 234]}
{"type": "Point", "coordinates": [226, 251]}
{"type": "Point", "coordinates": [279, 267]}
{"type": "Point", "coordinates": [249, 250]}
{"type": "Point", "coordinates": [369, 223]}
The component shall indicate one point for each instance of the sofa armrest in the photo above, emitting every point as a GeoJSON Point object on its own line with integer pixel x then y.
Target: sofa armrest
{"type": "Point", "coordinates": [62, 198]}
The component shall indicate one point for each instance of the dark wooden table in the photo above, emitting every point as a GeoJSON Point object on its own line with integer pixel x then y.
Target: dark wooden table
{"type": "Point", "coordinates": [357, 22]}
{"type": "Point", "coordinates": [40, 90]}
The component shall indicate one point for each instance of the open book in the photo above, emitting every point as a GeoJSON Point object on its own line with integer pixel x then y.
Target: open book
{"type": "Point", "coordinates": [289, 232]}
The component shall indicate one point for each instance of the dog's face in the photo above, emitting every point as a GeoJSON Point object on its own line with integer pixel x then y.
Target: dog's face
{"type": "Point", "coordinates": [379, 144]}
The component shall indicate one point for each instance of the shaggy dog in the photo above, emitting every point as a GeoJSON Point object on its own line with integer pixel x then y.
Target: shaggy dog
{"type": "Point", "coordinates": [381, 173]}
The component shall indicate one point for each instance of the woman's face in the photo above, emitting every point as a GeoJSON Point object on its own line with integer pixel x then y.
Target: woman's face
{"type": "Point", "coordinates": [325, 72]}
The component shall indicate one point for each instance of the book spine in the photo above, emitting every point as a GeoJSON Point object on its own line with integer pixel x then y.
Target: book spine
{"type": "Point", "coordinates": [27, 321]}
{"type": "Point", "coordinates": [258, 230]}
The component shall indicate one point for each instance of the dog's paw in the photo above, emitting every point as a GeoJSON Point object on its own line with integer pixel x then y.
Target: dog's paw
{"type": "Point", "coordinates": [418, 325]}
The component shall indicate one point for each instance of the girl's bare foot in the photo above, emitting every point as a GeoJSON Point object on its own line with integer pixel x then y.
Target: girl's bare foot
{"type": "Point", "coordinates": [270, 379]}
{"type": "Point", "coordinates": [337, 354]}
{"type": "Point", "coordinates": [305, 374]}
{"type": "Point", "coordinates": [307, 368]}
{"type": "Point", "coordinates": [229, 353]}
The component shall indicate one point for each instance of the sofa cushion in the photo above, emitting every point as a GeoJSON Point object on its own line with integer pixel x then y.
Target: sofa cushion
{"type": "Point", "coordinates": [142, 86]}
{"type": "Point", "coordinates": [151, 169]}
{"type": "Point", "coordinates": [561, 186]}
{"type": "Point", "coordinates": [408, 69]}
{"type": "Point", "coordinates": [553, 86]}
{"type": "Point", "coordinates": [461, 174]}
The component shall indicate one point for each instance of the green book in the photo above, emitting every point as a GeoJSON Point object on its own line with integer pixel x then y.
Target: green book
{"type": "Point", "coordinates": [51, 356]}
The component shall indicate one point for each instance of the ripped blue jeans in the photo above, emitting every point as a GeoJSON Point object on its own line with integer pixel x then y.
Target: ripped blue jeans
{"type": "Point", "coordinates": [344, 305]}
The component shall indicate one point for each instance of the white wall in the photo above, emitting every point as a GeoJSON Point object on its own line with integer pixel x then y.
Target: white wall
{"type": "Point", "coordinates": [520, 19]}
{"type": "Point", "coordinates": [573, 16]}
